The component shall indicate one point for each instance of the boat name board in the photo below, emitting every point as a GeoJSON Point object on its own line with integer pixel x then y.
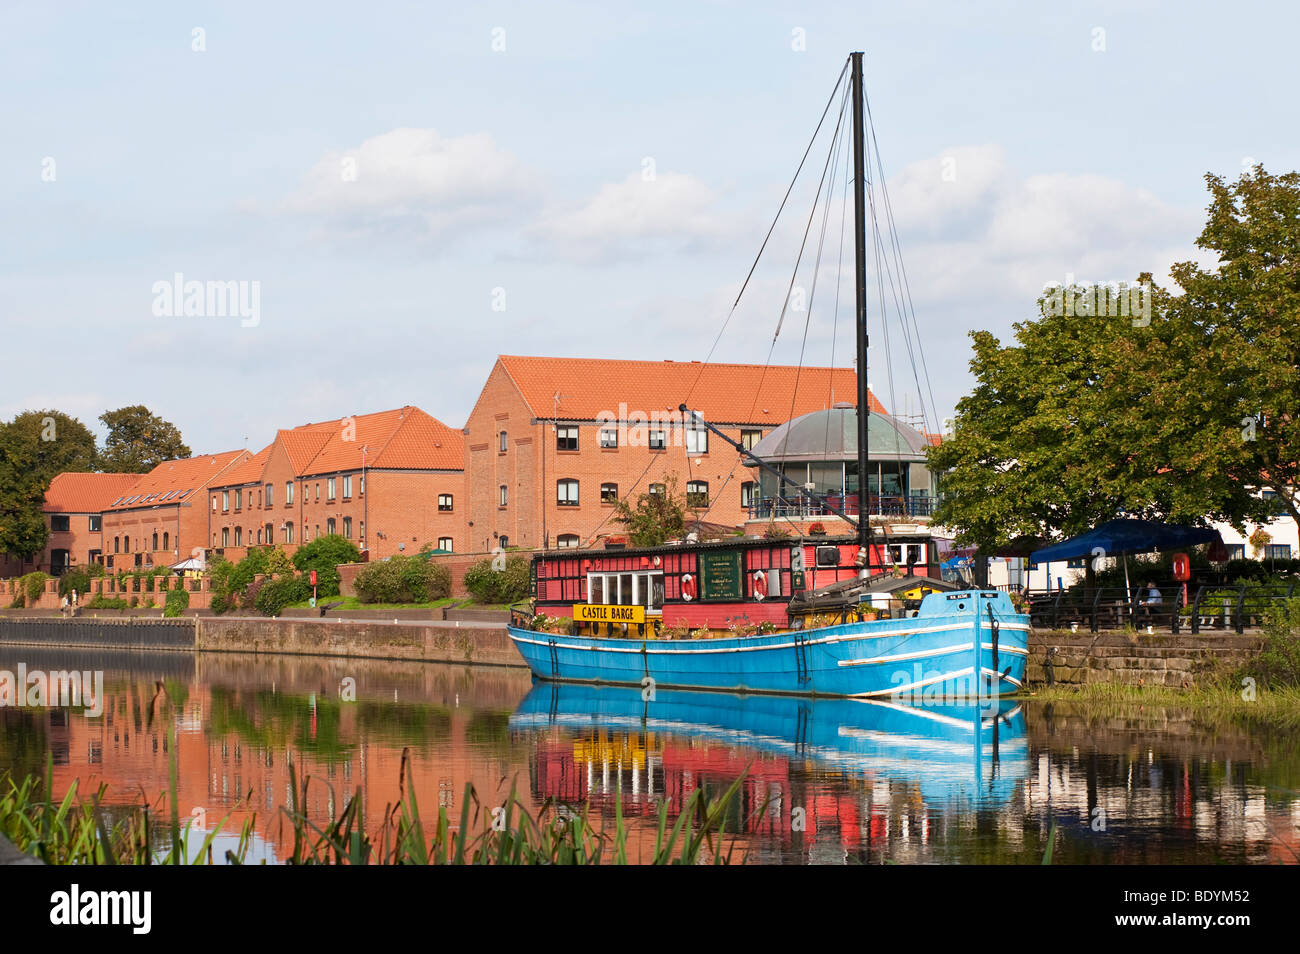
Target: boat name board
{"type": "Point", "coordinates": [599, 613]}
{"type": "Point", "coordinates": [720, 576]}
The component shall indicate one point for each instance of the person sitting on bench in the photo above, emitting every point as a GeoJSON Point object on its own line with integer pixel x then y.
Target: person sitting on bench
{"type": "Point", "coordinates": [1151, 602]}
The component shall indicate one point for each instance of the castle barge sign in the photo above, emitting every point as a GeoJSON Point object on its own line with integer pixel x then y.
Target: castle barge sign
{"type": "Point", "coordinates": [720, 576]}
{"type": "Point", "coordinates": [597, 613]}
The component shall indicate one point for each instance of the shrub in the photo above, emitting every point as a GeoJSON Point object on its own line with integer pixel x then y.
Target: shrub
{"type": "Point", "coordinates": [33, 584]}
{"type": "Point", "coordinates": [220, 603]}
{"type": "Point", "coordinates": [178, 601]}
{"type": "Point", "coordinates": [403, 579]}
{"type": "Point", "coordinates": [274, 595]}
{"type": "Point", "coordinates": [106, 602]}
{"type": "Point", "coordinates": [323, 555]}
{"type": "Point", "coordinates": [96, 570]}
{"type": "Point", "coordinates": [508, 585]}
{"type": "Point", "coordinates": [134, 602]}
{"type": "Point", "coordinates": [1278, 662]}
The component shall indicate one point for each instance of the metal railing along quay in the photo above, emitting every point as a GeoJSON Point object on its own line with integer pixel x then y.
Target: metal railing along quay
{"type": "Point", "coordinates": [1209, 606]}
{"type": "Point", "coordinates": [877, 505]}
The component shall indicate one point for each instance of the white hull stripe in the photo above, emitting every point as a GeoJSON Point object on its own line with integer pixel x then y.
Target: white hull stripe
{"type": "Point", "coordinates": [1006, 649]}
{"type": "Point", "coordinates": [903, 657]}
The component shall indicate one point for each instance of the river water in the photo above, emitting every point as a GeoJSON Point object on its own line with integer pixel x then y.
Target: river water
{"type": "Point", "coordinates": [825, 782]}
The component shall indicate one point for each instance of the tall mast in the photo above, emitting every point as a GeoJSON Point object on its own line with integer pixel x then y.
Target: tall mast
{"type": "Point", "coordinates": [860, 315]}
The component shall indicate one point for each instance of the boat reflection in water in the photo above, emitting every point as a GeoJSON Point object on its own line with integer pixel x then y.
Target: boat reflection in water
{"type": "Point", "coordinates": [847, 775]}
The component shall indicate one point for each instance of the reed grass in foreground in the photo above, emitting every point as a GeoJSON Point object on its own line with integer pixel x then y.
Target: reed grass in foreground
{"type": "Point", "coordinates": [76, 831]}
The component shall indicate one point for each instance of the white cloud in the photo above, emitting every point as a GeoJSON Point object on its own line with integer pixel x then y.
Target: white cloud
{"type": "Point", "coordinates": [414, 182]}
{"type": "Point", "coordinates": [670, 211]}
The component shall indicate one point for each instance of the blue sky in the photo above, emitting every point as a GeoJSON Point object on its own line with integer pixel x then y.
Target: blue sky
{"type": "Point", "coordinates": [1018, 152]}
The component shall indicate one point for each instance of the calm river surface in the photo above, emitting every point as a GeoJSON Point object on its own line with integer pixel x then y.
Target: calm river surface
{"type": "Point", "coordinates": [827, 782]}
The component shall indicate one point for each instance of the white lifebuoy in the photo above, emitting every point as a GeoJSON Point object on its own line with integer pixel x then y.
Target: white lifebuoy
{"type": "Point", "coordinates": [688, 587]}
{"type": "Point", "coordinates": [760, 585]}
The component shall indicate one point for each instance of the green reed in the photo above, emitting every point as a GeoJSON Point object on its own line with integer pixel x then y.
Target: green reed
{"type": "Point", "coordinates": [75, 830]}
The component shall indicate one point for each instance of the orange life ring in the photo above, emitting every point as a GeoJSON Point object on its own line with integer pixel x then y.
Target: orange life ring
{"type": "Point", "coordinates": [760, 584]}
{"type": "Point", "coordinates": [688, 587]}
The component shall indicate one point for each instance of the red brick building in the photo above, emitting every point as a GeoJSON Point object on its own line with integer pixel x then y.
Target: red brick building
{"type": "Point", "coordinates": [388, 481]}
{"type": "Point", "coordinates": [74, 507]}
{"type": "Point", "coordinates": [161, 519]}
{"type": "Point", "coordinates": [553, 443]}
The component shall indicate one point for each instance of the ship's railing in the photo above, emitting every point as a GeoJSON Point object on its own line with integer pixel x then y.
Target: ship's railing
{"type": "Point", "coordinates": [800, 505]}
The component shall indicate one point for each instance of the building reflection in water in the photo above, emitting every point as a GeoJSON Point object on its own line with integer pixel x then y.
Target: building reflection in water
{"type": "Point", "coordinates": [825, 781]}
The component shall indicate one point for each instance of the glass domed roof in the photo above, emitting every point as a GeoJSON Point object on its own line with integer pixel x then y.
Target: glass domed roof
{"type": "Point", "coordinates": [832, 435]}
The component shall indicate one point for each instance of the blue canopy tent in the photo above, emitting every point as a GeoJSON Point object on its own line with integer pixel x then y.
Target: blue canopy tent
{"type": "Point", "coordinates": [1124, 536]}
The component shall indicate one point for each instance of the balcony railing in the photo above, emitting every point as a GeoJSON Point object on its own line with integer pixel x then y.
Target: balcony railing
{"type": "Point", "coordinates": [878, 505]}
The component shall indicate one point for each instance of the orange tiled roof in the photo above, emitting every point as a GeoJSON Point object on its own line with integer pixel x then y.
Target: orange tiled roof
{"type": "Point", "coordinates": [248, 471]}
{"type": "Point", "coordinates": [175, 480]}
{"type": "Point", "coordinates": [724, 394]}
{"type": "Point", "coordinates": [86, 493]}
{"type": "Point", "coordinates": [405, 437]}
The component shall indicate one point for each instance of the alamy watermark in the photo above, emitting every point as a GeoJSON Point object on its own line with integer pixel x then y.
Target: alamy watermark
{"type": "Point", "coordinates": [179, 298]}
{"type": "Point", "coordinates": [36, 689]}
{"type": "Point", "coordinates": [1103, 299]}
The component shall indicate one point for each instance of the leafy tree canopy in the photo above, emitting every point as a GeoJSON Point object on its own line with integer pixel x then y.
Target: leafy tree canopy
{"type": "Point", "coordinates": [138, 441]}
{"type": "Point", "coordinates": [35, 447]}
{"type": "Point", "coordinates": [1180, 410]}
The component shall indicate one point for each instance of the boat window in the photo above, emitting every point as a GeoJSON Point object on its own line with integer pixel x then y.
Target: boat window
{"type": "Point", "coordinates": [627, 589]}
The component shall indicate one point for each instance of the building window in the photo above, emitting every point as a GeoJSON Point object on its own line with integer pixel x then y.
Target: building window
{"type": "Point", "coordinates": [697, 493]}
{"type": "Point", "coordinates": [658, 440]}
{"type": "Point", "coordinates": [214, 503]}
{"type": "Point", "coordinates": [502, 489]}
{"type": "Point", "coordinates": [502, 438]}
{"type": "Point", "coordinates": [609, 437]}
{"type": "Point", "coordinates": [96, 523]}
{"type": "Point", "coordinates": [225, 500]}
{"type": "Point", "coordinates": [347, 487]}
{"type": "Point", "coordinates": [656, 489]}
{"type": "Point", "coordinates": [1277, 551]}
{"type": "Point", "coordinates": [259, 536]}
{"type": "Point", "coordinates": [1236, 551]}
{"type": "Point", "coordinates": [566, 438]}
{"type": "Point", "coordinates": [225, 537]}
{"type": "Point", "coordinates": [270, 535]}
{"type": "Point", "coordinates": [126, 544]}
{"type": "Point", "coordinates": [288, 533]}
{"type": "Point", "coordinates": [347, 527]}
{"type": "Point", "coordinates": [116, 543]}
{"type": "Point", "coordinates": [566, 541]}
{"type": "Point", "coordinates": [318, 491]}
{"type": "Point", "coordinates": [329, 489]}
{"type": "Point", "coordinates": [288, 492]}
{"type": "Point", "coordinates": [445, 543]}
{"type": "Point", "coordinates": [361, 535]}
{"type": "Point", "coordinates": [317, 535]}
{"type": "Point", "coordinates": [214, 541]}
{"type": "Point", "coordinates": [154, 541]}
{"type": "Point", "coordinates": [609, 493]}
{"type": "Point", "coordinates": [749, 438]}
{"type": "Point", "coordinates": [59, 523]}
{"type": "Point", "coordinates": [503, 541]}
{"type": "Point", "coordinates": [329, 525]}
{"type": "Point", "coordinates": [239, 536]}
{"type": "Point", "coordinates": [239, 499]}
{"type": "Point", "coordinates": [361, 488]}
{"type": "Point", "coordinates": [270, 490]}
{"type": "Point", "coordinates": [697, 440]}
{"type": "Point", "coordinates": [566, 492]}
{"type": "Point", "coordinates": [167, 540]}
{"type": "Point", "coordinates": [747, 494]}
{"type": "Point", "coordinates": [444, 502]}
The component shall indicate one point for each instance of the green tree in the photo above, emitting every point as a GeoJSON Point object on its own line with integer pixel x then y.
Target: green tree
{"type": "Point", "coordinates": [35, 447]}
{"type": "Point", "coordinates": [138, 441]}
{"type": "Point", "coordinates": [1180, 414]}
{"type": "Point", "coordinates": [657, 517]}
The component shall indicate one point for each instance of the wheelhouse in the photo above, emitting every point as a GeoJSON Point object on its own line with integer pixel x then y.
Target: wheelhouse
{"type": "Point", "coordinates": [725, 585]}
